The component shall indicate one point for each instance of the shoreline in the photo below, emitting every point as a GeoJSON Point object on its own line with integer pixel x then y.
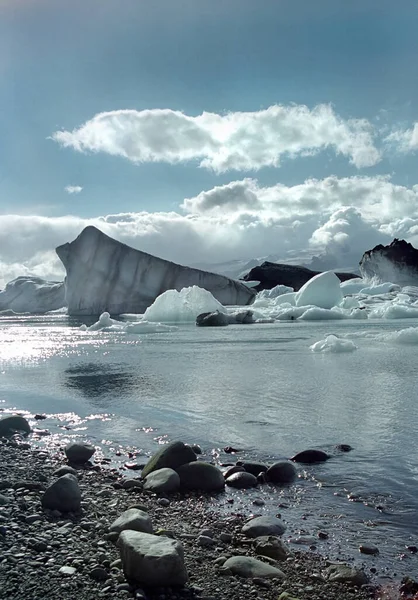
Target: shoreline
{"type": "Point", "coordinates": [37, 544]}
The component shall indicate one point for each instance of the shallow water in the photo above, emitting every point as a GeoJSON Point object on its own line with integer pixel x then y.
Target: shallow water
{"type": "Point", "coordinates": [258, 388]}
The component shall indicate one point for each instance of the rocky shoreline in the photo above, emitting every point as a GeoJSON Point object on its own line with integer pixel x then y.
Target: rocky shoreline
{"type": "Point", "coordinates": [45, 553]}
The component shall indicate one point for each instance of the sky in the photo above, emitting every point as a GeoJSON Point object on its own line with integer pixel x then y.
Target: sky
{"type": "Point", "coordinates": [205, 131]}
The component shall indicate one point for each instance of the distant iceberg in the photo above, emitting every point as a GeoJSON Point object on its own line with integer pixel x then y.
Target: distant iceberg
{"type": "Point", "coordinates": [32, 295]}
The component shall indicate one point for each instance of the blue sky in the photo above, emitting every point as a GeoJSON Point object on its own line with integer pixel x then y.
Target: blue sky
{"type": "Point", "coordinates": [64, 62]}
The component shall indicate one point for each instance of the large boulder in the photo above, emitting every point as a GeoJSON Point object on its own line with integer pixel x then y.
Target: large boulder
{"type": "Point", "coordinates": [241, 480]}
{"type": "Point", "coordinates": [104, 275]}
{"type": "Point", "coordinates": [170, 456]}
{"type": "Point", "coordinates": [134, 519]}
{"type": "Point", "coordinates": [152, 560]}
{"type": "Point", "coordinates": [346, 574]}
{"type": "Point", "coordinates": [63, 495]}
{"type": "Point", "coordinates": [12, 424]}
{"type": "Point", "coordinates": [263, 526]}
{"type": "Point", "coordinates": [281, 472]}
{"type": "Point", "coordinates": [397, 263]}
{"type": "Point", "coordinates": [33, 295]}
{"type": "Point", "coordinates": [163, 481]}
{"type": "Point", "coordinates": [248, 567]}
{"type": "Point", "coordinates": [201, 476]}
{"type": "Point", "coordinates": [79, 453]}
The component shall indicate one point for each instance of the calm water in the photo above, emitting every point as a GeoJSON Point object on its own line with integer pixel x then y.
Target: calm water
{"type": "Point", "coordinates": [256, 387]}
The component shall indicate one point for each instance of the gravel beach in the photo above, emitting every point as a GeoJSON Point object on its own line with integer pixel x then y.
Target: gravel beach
{"type": "Point", "coordinates": [45, 554]}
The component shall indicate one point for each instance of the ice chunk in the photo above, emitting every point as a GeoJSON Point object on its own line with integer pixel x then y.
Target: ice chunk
{"type": "Point", "coordinates": [323, 291]}
{"type": "Point", "coordinates": [278, 290]}
{"type": "Point", "coordinates": [352, 286]}
{"type": "Point", "coordinates": [182, 307]}
{"type": "Point", "coordinates": [321, 314]}
{"type": "Point", "coordinates": [333, 344]}
{"type": "Point", "coordinates": [381, 288]}
{"type": "Point", "coordinates": [404, 336]}
{"type": "Point", "coordinates": [106, 323]}
{"type": "Point", "coordinates": [32, 295]}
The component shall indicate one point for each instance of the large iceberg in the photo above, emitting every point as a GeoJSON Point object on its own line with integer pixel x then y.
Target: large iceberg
{"type": "Point", "coordinates": [104, 275]}
{"type": "Point", "coordinates": [183, 306]}
{"type": "Point", "coordinates": [32, 295]}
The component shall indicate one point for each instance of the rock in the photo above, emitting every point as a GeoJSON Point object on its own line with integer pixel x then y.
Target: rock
{"type": "Point", "coordinates": [241, 480]}
{"type": "Point", "coordinates": [310, 456]}
{"type": "Point", "coordinates": [4, 500]}
{"type": "Point", "coordinates": [241, 317]}
{"type": "Point", "coordinates": [134, 519]}
{"type": "Point", "coordinates": [171, 456]}
{"type": "Point", "coordinates": [12, 424]}
{"type": "Point", "coordinates": [152, 560]}
{"type": "Point", "coordinates": [162, 481]}
{"type": "Point", "coordinates": [246, 566]}
{"type": "Point", "coordinates": [368, 549]}
{"type": "Point", "coordinates": [104, 275]}
{"type": "Point", "coordinates": [65, 470]}
{"type": "Point", "coordinates": [99, 574]}
{"type": "Point", "coordinates": [196, 448]}
{"type": "Point", "coordinates": [63, 495]}
{"type": "Point", "coordinates": [67, 571]}
{"type": "Point", "coordinates": [231, 450]}
{"type": "Point", "coordinates": [201, 476]}
{"type": "Point", "coordinates": [397, 263]}
{"type": "Point", "coordinates": [32, 294]}
{"type": "Point", "coordinates": [344, 447]}
{"type": "Point", "coordinates": [271, 546]}
{"type": "Point", "coordinates": [281, 472]}
{"type": "Point", "coordinates": [346, 574]}
{"type": "Point", "coordinates": [271, 274]}
{"type": "Point", "coordinates": [254, 468]}
{"type": "Point", "coordinates": [205, 541]}
{"type": "Point", "coordinates": [261, 526]}
{"type": "Point", "coordinates": [130, 484]}
{"type": "Point", "coordinates": [212, 319]}
{"type": "Point", "coordinates": [39, 417]}
{"type": "Point", "coordinates": [231, 470]}
{"type": "Point", "coordinates": [79, 453]}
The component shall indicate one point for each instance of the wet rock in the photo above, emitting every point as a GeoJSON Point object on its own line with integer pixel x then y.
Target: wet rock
{"type": "Point", "coordinates": [79, 453]}
{"type": "Point", "coordinates": [344, 447]}
{"type": "Point", "coordinates": [271, 546]}
{"type": "Point", "coordinates": [39, 417]}
{"type": "Point", "coordinates": [231, 470]}
{"type": "Point", "coordinates": [201, 476]}
{"type": "Point", "coordinates": [310, 456]}
{"type": "Point", "coordinates": [261, 526]}
{"type": "Point", "coordinates": [246, 566]}
{"type": "Point", "coordinates": [134, 519]}
{"type": "Point", "coordinates": [346, 574]}
{"type": "Point", "coordinates": [162, 481]}
{"type": "Point", "coordinates": [12, 424]}
{"type": "Point", "coordinates": [130, 484]}
{"type": "Point", "coordinates": [63, 495]}
{"type": "Point", "coordinates": [98, 574]}
{"type": "Point", "coordinates": [196, 448]}
{"type": "Point", "coordinates": [231, 450]}
{"type": "Point", "coordinates": [254, 468]}
{"type": "Point", "coordinates": [171, 456]}
{"type": "Point", "coordinates": [368, 549]}
{"type": "Point", "coordinates": [241, 480]}
{"type": "Point", "coordinates": [152, 560]}
{"type": "Point", "coordinates": [281, 472]}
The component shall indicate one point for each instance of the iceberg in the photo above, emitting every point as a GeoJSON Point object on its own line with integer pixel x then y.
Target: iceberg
{"type": "Point", "coordinates": [333, 344]}
{"type": "Point", "coordinates": [183, 306]}
{"type": "Point", "coordinates": [322, 291]}
{"type": "Point", "coordinates": [104, 275]}
{"type": "Point", "coordinates": [32, 295]}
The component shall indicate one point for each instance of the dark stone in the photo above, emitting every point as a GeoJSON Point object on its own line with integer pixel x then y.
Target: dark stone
{"type": "Point", "coordinates": [344, 447]}
{"type": "Point", "coordinates": [402, 256]}
{"type": "Point", "coordinates": [234, 469]}
{"type": "Point", "coordinates": [133, 466]}
{"type": "Point", "coordinates": [271, 274]}
{"type": "Point", "coordinates": [63, 495]}
{"type": "Point", "coordinates": [79, 453]}
{"type": "Point", "coordinates": [231, 450]}
{"type": "Point", "coordinates": [65, 470]}
{"type": "Point", "coordinates": [241, 480]}
{"type": "Point", "coordinates": [310, 456]}
{"type": "Point", "coordinates": [254, 468]}
{"type": "Point", "coordinates": [40, 417]}
{"type": "Point", "coordinates": [212, 319]}
{"type": "Point", "coordinates": [172, 455]}
{"type": "Point", "coordinates": [281, 472]}
{"type": "Point", "coordinates": [12, 424]}
{"type": "Point", "coordinates": [201, 476]}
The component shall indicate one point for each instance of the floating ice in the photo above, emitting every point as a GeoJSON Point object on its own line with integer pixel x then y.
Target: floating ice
{"type": "Point", "coordinates": [106, 323]}
{"type": "Point", "coordinates": [408, 336]}
{"type": "Point", "coordinates": [333, 344]}
{"type": "Point", "coordinates": [278, 290]}
{"type": "Point", "coordinates": [381, 288]}
{"type": "Point", "coordinates": [323, 291]}
{"type": "Point", "coordinates": [182, 307]}
{"type": "Point", "coordinates": [32, 295]}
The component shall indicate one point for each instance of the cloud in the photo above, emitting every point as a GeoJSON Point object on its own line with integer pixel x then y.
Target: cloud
{"type": "Point", "coordinates": [73, 189]}
{"type": "Point", "coordinates": [241, 141]}
{"type": "Point", "coordinates": [403, 140]}
{"type": "Point", "coordinates": [334, 218]}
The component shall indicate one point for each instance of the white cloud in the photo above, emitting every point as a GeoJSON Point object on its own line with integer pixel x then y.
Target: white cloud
{"type": "Point", "coordinates": [403, 140]}
{"type": "Point", "coordinates": [73, 189]}
{"type": "Point", "coordinates": [337, 219]}
{"type": "Point", "coordinates": [234, 141]}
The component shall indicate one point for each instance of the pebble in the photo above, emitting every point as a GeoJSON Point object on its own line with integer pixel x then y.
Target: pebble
{"type": "Point", "coordinates": [163, 502]}
{"type": "Point", "coordinates": [98, 573]}
{"type": "Point", "coordinates": [368, 549]}
{"type": "Point", "coordinates": [205, 541]}
{"type": "Point", "coordinates": [67, 571]}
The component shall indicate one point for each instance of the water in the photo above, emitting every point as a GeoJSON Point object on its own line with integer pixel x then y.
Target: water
{"type": "Point", "coordinates": [258, 388]}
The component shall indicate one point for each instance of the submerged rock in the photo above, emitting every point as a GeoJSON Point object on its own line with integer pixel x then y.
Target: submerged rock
{"type": "Point", "coordinates": [63, 495]}
{"type": "Point", "coordinates": [152, 560]}
{"type": "Point", "coordinates": [171, 456]}
{"type": "Point", "coordinates": [13, 424]}
{"type": "Point", "coordinates": [104, 275]}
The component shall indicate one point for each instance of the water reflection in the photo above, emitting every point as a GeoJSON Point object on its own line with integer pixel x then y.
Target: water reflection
{"type": "Point", "coordinates": [94, 380]}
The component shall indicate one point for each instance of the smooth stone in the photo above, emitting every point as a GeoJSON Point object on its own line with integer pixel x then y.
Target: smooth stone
{"type": "Point", "coordinates": [65, 470]}
{"type": "Point", "coordinates": [368, 549]}
{"type": "Point", "coordinates": [134, 519]}
{"type": "Point", "coordinates": [99, 574]}
{"type": "Point", "coordinates": [63, 495]}
{"type": "Point", "coordinates": [241, 480]}
{"type": "Point", "coordinates": [130, 484]}
{"type": "Point", "coordinates": [260, 526]}
{"type": "Point", "coordinates": [171, 456]}
{"type": "Point", "coordinates": [4, 500]}
{"type": "Point", "coordinates": [196, 449]}
{"type": "Point", "coordinates": [162, 481]}
{"type": "Point", "coordinates": [231, 470]}
{"type": "Point", "coordinates": [246, 566]}
{"type": "Point", "coordinates": [254, 468]}
{"type": "Point", "coordinates": [310, 456]}
{"type": "Point", "coordinates": [201, 476]}
{"type": "Point", "coordinates": [344, 447]}
{"type": "Point", "coordinates": [152, 560]}
{"type": "Point", "coordinates": [12, 424]}
{"type": "Point", "coordinates": [68, 571]}
{"type": "Point", "coordinates": [79, 453]}
{"type": "Point", "coordinates": [271, 546]}
{"type": "Point", "coordinates": [205, 541]}
{"type": "Point", "coordinates": [281, 472]}
{"type": "Point", "coordinates": [346, 574]}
